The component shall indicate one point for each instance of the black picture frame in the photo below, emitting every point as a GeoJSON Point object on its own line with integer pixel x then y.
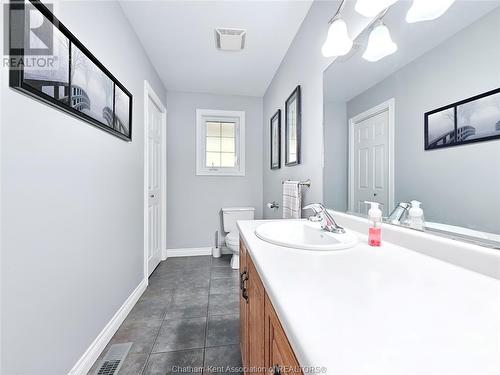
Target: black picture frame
{"type": "Point", "coordinates": [65, 102]}
{"type": "Point", "coordinates": [459, 135]}
{"type": "Point", "coordinates": [275, 121]}
{"type": "Point", "coordinates": [293, 99]}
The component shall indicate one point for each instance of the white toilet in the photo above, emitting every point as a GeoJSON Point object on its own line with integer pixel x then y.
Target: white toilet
{"type": "Point", "coordinates": [230, 215]}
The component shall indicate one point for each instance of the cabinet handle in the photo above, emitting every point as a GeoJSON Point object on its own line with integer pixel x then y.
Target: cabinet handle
{"type": "Point", "coordinates": [276, 370]}
{"type": "Point", "coordinates": [243, 278]}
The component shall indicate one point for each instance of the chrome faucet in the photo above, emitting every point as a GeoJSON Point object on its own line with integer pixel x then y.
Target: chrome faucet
{"type": "Point", "coordinates": [399, 214]}
{"type": "Point", "coordinates": [327, 221]}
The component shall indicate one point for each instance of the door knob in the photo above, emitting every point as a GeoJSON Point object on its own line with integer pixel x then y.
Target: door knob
{"type": "Point", "coordinates": [152, 196]}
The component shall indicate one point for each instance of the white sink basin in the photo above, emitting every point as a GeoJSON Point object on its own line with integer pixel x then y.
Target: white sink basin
{"type": "Point", "coordinates": [304, 235]}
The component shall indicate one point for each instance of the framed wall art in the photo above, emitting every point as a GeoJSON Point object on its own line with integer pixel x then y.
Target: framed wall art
{"type": "Point", "coordinates": [475, 119]}
{"type": "Point", "coordinates": [50, 64]}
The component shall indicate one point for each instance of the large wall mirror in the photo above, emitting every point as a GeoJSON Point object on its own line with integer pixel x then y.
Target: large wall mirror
{"type": "Point", "coordinates": [422, 124]}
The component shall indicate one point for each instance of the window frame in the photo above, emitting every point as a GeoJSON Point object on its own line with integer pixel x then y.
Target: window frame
{"type": "Point", "coordinates": [204, 115]}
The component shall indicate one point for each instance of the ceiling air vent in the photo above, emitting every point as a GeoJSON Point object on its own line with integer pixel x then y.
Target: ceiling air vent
{"type": "Point", "coordinates": [230, 39]}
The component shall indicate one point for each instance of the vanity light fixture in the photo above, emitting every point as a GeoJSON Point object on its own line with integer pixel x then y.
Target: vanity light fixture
{"type": "Point", "coordinates": [427, 10]}
{"type": "Point", "coordinates": [380, 43]}
{"type": "Point", "coordinates": [370, 8]}
{"type": "Point", "coordinates": [338, 42]}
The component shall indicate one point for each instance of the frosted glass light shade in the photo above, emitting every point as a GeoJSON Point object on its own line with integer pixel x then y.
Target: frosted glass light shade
{"type": "Point", "coordinates": [380, 44]}
{"type": "Point", "coordinates": [337, 41]}
{"type": "Point", "coordinates": [370, 8]}
{"type": "Point", "coordinates": [427, 10]}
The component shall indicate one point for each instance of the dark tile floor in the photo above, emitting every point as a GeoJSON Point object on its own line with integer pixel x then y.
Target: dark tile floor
{"type": "Point", "coordinates": [186, 318]}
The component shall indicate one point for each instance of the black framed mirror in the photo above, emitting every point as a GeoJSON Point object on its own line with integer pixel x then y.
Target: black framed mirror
{"type": "Point", "coordinates": [275, 141]}
{"type": "Point", "coordinates": [292, 128]}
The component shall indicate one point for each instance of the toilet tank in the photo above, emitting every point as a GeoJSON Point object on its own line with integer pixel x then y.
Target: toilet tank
{"type": "Point", "coordinates": [230, 215]}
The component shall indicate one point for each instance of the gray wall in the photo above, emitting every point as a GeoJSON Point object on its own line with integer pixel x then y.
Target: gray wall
{"type": "Point", "coordinates": [459, 185]}
{"type": "Point", "coordinates": [194, 201]}
{"type": "Point", "coordinates": [336, 156]}
{"type": "Point", "coordinates": [72, 212]}
{"type": "Point", "coordinates": [303, 65]}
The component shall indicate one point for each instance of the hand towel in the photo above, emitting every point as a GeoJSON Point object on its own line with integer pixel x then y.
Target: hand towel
{"type": "Point", "coordinates": [292, 200]}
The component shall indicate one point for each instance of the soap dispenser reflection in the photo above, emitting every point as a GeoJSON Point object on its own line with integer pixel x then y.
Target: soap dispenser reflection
{"type": "Point", "coordinates": [416, 216]}
{"type": "Point", "coordinates": [375, 219]}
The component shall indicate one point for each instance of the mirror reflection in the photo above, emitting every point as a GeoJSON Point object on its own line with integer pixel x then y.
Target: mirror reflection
{"type": "Point", "coordinates": [418, 131]}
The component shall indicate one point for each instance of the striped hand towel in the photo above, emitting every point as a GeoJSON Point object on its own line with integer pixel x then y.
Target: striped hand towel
{"type": "Point", "coordinates": [292, 200]}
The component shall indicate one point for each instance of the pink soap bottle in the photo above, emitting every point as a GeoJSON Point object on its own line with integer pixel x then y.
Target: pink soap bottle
{"type": "Point", "coordinates": [375, 229]}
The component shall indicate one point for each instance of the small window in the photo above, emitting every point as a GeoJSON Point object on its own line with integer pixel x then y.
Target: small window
{"type": "Point", "coordinates": [220, 145]}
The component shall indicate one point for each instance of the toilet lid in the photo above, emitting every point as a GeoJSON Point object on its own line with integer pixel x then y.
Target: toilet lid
{"type": "Point", "coordinates": [233, 237]}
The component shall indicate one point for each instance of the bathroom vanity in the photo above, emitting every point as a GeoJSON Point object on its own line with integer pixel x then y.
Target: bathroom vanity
{"type": "Point", "coordinates": [364, 310]}
{"type": "Point", "coordinates": [417, 132]}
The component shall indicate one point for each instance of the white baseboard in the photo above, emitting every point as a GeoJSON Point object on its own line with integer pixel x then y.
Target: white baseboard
{"type": "Point", "coordinates": [88, 358]}
{"type": "Point", "coordinates": [189, 252]}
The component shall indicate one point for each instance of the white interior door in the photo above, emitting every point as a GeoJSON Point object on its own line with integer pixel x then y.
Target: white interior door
{"type": "Point", "coordinates": [369, 160]}
{"type": "Point", "coordinates": [156, 168]}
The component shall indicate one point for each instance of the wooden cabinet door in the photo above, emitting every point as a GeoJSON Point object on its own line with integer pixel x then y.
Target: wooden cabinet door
{"type": "Point", "coordinates": [243, 305]}
{"type": "Point", "coordinates": [255, 318]}
{"type": "Point", "coordinates": [279, 355]}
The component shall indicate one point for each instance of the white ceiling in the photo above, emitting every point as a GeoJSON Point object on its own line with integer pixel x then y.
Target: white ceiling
{"type": "Point", "coordinates": [347, 77]}
{"type": "Point", "coordinates": [178, 37]}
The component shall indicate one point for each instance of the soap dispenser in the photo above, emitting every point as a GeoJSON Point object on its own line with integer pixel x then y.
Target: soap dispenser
{"type": "Point", "coordinates": [375, 219]}
{"type": "Point", "coordinates": [416, 216]}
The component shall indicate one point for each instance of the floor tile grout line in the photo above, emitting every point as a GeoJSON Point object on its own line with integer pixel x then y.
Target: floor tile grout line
{"type": "Point", "coordinates": [181, 350]}
{"type": "Point", "coordinates": [192, 349]}
{"type": "Point", "coordinates": [206, 323]}
{"type": "Point", "coordinates": [222, 346]}
{"type": "Point", "coordinates": [224, 314]}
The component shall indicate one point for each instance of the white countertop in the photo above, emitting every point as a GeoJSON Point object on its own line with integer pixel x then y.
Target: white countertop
{"type": "Point", "coordinates": [386, 310]}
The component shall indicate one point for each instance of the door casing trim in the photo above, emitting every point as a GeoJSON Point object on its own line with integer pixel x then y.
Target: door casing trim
{"type": "Point", "coordinates": [150, 93]}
